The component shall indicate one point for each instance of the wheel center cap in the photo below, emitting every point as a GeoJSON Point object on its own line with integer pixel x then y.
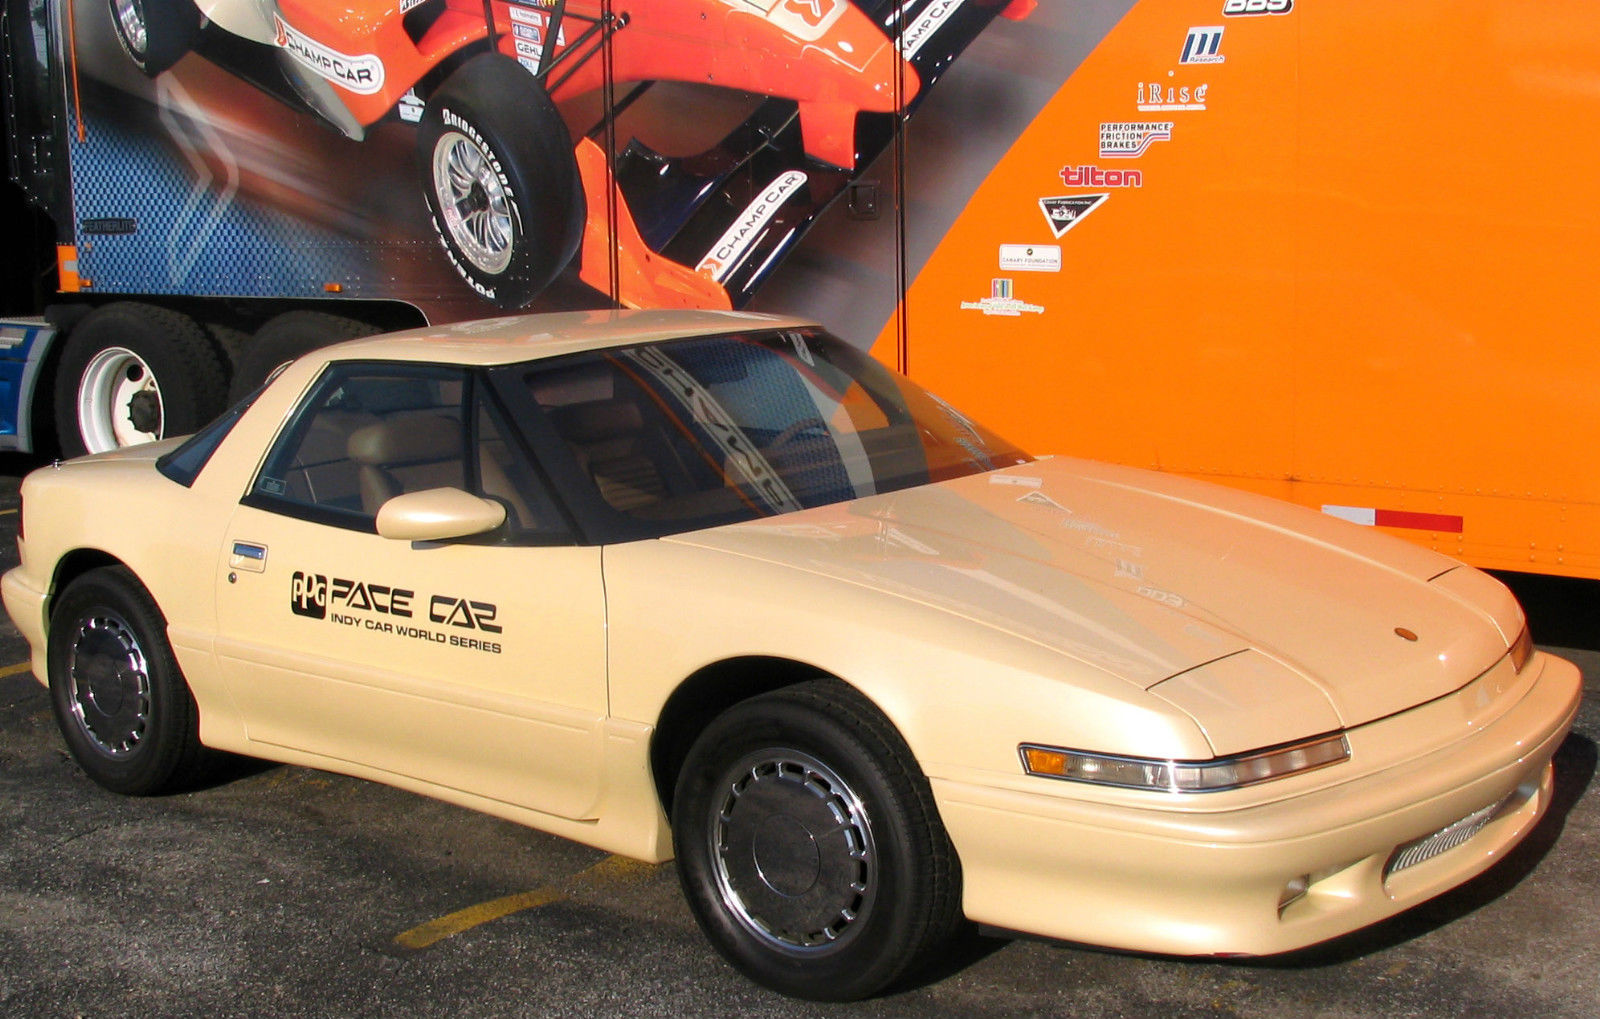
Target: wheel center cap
{"type": "Point", "coordinates": [786, 856]}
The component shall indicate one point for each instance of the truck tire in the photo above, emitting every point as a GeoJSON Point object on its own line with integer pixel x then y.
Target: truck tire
{"type": "Point", "coordinates": [285, 337]}
{"type": "Point", "coordinates": [134, 373]}
{"type": "Point", "coordinates": [155, 33]}
{"type": "Point", "coordinates": [501, 180]}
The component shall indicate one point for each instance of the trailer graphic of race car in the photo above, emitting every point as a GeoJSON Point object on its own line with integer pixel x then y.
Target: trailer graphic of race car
{"type": "Point", "coordinates": [514, 198]}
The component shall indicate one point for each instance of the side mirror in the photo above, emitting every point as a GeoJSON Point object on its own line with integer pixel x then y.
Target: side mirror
{"type": "Point", "coordinates": [435, 514]}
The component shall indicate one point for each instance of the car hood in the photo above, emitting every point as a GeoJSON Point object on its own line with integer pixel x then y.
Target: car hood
{"type": "Point", "coordinates": [1150, 576]}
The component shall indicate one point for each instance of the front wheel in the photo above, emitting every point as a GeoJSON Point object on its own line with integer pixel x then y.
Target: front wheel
{"type": "Point", "coordinates": [155, 33]}
{"type": "Point", "coordinates": [133, 373]}
{"type": "Point", "coordinates": [809, 846]}
{"type": "Point", "coordinates": [500, 179]}
{"type": "Point", "coordinates": [120, 701]}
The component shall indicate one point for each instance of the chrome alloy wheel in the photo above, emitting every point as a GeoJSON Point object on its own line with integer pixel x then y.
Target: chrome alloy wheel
{"type": "Point", "coordinates": [108, 684]}
{"type": "Point", "coordinates": [119, 401]}
{"type": "Point", "coordinates": [131, 23]}
{"type": "Point", "coordinates": [794, 854]}
{"type": "Point", "coordinates": [473, 202]}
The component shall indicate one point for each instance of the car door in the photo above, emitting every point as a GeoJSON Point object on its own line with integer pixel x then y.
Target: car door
{"type": "Point", "coordinates": [476, 664]}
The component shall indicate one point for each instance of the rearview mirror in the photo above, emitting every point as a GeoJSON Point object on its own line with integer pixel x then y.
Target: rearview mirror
{"type": "Point", "coordinates": [435, 514]}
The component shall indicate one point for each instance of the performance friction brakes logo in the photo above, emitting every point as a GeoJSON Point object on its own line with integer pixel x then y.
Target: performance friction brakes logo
{"type": "Point", "coordinates": [1129, 140]}
{"type": "Point", "coordinates": [362, 74]}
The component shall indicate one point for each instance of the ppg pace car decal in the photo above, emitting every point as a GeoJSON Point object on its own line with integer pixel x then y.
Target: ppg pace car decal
{"type": "Point", "coordinates": [365, 605]}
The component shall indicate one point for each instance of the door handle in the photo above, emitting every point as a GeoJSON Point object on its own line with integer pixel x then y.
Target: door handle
{"type": "Point", "coordinates": [247, 555]}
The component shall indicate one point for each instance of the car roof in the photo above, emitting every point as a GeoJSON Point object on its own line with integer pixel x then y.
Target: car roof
{"type": "Point", "coordinates": [511, 339]}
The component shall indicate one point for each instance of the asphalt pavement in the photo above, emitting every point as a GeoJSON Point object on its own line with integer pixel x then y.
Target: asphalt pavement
{"type": "Point", "coordinates": [280, 891]}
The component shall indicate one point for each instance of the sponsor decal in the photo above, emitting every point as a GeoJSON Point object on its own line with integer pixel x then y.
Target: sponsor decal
{"type": "Point", "coordinates": [109, 225]}
{"type": "Point", "coordinates": [361, 74]}
{"type": "Point", "coordinates": [406, 5]}
{"type": "Point", "coordinates": [1066, 211]}
{"type": "Point", "coordinates": [1164, 597]}
{"type": "Point", "coordinates": [1030, 257]}
{"type": "Point", "coordinates": [1002, 302]}
{"type": "Point", "coordinates": [1129, 139]}
{"type": "Point", "coordinates": [736, 241]}
{"type": "Point", "coordinates": [411, 106]}
{"type": "Point", "coordinates": [1240, 8]}
{"type": "Point", "coordinates": [926, 26]}
{"type": "Point", "coordinates": [1020, 480]}
{"type": "Point", "coordinates": [1201, 46]}
{"type": "Point", "coordinates": [808, 20]}
{"type": "Point", "coordinates": [1040, 499]}
{"type": "Point", "coordinates": [1094, 177]}
{"type": "Point", "coordinates": [1369, 516]}
{"type": "Point", "coordinates": [1154, 97]}
{"type": "Point", "coordinates": [382, 608]}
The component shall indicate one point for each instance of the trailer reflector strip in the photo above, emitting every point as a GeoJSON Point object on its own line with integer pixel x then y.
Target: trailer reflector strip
{"type": "Point", "coordinates": [1370, 517]}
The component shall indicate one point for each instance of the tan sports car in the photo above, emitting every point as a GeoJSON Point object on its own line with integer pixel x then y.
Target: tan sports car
{"type": "Point", "coordinates": [720, 586]}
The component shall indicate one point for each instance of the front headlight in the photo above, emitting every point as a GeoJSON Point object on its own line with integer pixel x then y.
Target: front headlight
{"type": "Point", "coordinates": [1185, 776]}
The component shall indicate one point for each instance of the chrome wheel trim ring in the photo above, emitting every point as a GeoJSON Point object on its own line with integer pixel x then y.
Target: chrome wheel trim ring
{"type": "Point", "coordinates": [474, 205]}
{"type": "Point", "coordinates": [108, 685]}
{"type": "Point", "coordinates": [793, 851]}
{"type": "Point", "coordinates": [131, 23]}
{"type": "Point", "coordinates": [105, 400]}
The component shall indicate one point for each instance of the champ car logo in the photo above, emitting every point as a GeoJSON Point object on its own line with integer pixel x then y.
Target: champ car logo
{"type": "Point", "coordinates": [1128, 140]}
{"type": "Point", "coordinates": [1066, 211]}
{"type": "Point", "coordinates": [362, 74]}
{"type": "Point", "coordinates": [1002, 302]}
{"type": "Point", "coordinates": [1239, 8]}
{"type": "Point", "coordinates": [1202, 45]}
{"type": "Point", "coordinates": [926, 26]}
{"type": "Point", "coordinates": [1094, 177]}
{"type": "Point", "coordinates": [1155, 97]}
{"type": "Point", "coordinates": [737, 239]}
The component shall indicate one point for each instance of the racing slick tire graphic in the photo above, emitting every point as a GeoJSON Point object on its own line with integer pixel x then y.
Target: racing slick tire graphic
{"type": "Point", "coordinates": [500, 179]}
{"type": "Point", "coordinates": [809, 846]}
{"type": "Point", "coordinates": [119, 698]}
{"type": "Point", "coordinates": [285, 337]}
{"type": "Point", "coordinates": [155, 33]}
{"type": "Point", "coordinates": [134, 373]}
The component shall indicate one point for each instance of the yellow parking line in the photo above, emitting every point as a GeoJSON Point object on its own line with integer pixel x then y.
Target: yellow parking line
{"type": "Point", "coordinates": [12, 670]}
{"type": "Point", "coordinates": [435, 931]}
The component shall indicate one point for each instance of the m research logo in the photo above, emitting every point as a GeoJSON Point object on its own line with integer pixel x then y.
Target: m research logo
{"type": "Point", "coordinates": [362, 75]}
{"type": "Point", "coordinates": [1202, 46]}
{"type": "Point", "coordinates": [1125, 140]}
{"type": "Point", "coordinates": [1240, 8]}
{"type": "Point", "coordinates": [1067, 211]}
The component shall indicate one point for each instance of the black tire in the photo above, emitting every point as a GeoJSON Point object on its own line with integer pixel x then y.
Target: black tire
{"type": "Point", "coordinates": [510, 227]}
{"type": "Point", "coordinates": [155, 34]}
{"type": "Point", "coordinates": [285, 337]}
{"type": "Point", "coordinates": [119, 698]}
{"type": "Point", "coordinates": [792, 897]}
{"type": "Point", "coordinates": [133, 373]}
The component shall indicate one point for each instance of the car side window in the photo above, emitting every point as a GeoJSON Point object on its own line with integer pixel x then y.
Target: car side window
{"type": "Point", "coordinates": [367, 433]}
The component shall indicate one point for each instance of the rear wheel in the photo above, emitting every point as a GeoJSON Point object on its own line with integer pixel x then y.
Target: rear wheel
{"type": "Point", "coordinates": [500, 179]}
{"type": "Point", "coordinates": [133, 373]}
{"type": "Point", "coordinates": [155, 33]}
{"type": "Point", "coordinates": [119, 698]}
{"type": "Point", "coordinates": [285, 337]}
{"type": "Point", "coordinates": [809, 846]}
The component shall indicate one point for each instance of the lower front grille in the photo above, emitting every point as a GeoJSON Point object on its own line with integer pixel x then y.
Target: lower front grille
{"type": "Point", "coordinates": [1443, 840]}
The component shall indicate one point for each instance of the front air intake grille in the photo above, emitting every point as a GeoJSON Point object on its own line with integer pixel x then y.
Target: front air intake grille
{"type": "Point", "coordinates": [1441, 841]}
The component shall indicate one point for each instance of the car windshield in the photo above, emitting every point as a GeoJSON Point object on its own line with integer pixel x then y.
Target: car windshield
{"type": "Point", "coordinates": [670, 436]}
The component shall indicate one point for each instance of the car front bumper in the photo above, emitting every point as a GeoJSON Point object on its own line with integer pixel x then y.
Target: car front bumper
{"type": "Point", "coordinates": [1210, 874]}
